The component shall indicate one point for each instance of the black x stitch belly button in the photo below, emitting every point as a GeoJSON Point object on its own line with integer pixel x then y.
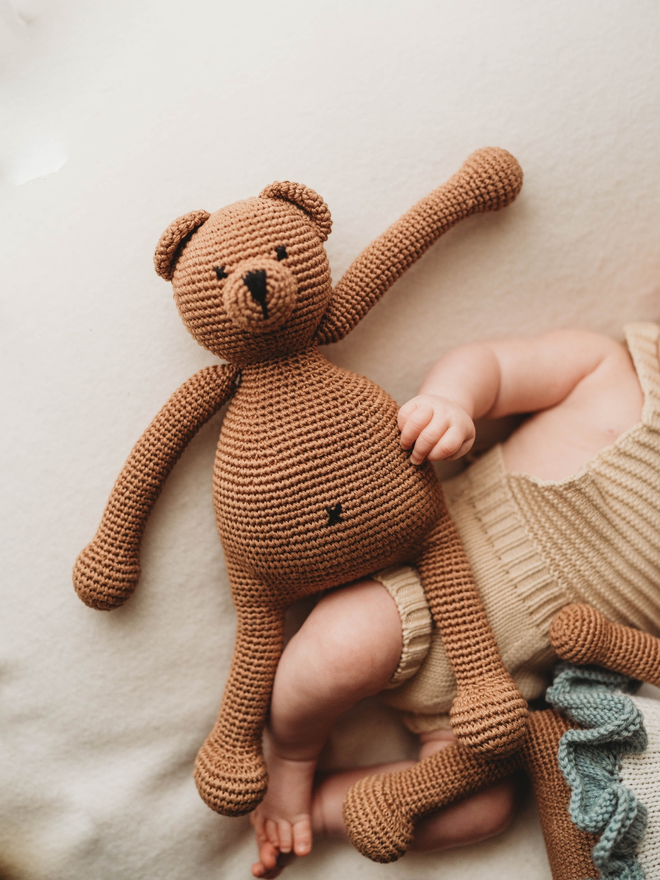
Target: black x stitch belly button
{"type": "Point", "coordinates": [334, 514]}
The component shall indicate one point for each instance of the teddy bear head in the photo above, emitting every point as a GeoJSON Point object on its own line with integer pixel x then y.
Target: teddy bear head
{"type": "Point", "coordinates": [252, 280]}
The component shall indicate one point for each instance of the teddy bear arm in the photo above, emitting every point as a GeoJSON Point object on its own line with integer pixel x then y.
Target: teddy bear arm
{"type": "Point", "coordinates": [581, 634]}
{"type": "Point", "coordinates": [108, 569]}
{"type": "Point", "coordinates": [489, 180]}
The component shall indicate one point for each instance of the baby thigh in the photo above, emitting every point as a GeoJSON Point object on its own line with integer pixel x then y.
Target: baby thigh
{"type": "Point", "coordinates": [348, 648]}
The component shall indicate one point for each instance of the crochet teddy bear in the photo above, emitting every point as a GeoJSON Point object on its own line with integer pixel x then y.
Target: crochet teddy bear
{"type": "Point", "coordinates": [600, 841]}
{"type": "Point", "coordinates": [311, 487]}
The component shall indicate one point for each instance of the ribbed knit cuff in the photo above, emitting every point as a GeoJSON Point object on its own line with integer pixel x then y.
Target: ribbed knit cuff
{"type": "Point", "coordinates": [405, 587]}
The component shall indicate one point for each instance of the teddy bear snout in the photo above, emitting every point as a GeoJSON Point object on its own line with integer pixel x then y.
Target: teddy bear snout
{"type": "Point", "coordinates": [260, 295]}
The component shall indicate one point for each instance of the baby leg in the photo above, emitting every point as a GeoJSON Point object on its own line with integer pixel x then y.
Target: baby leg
{"type": "Point", "coordinates": [347, 649]}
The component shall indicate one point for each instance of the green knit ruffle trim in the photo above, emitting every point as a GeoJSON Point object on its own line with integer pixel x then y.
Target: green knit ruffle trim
{"type": "Point", "coordinates": [590, 760]}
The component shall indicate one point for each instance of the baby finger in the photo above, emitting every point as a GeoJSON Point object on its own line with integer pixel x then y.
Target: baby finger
{"type": "Point", "coordinates": [415, 424]}
{"type": "Point", "coordinates": [451, 445]}
{"type": "Point", "coordinates": [426, 441]}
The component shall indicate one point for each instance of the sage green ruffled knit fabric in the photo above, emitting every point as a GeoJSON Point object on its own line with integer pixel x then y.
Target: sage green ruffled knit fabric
{"type": "Point", "coordinates": [611, 726]}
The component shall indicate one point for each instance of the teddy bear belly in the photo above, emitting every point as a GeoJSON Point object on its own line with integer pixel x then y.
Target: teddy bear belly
{"type": "Point", "coordinates": [328, 528]}
{"type": "Point", "coordinates": [322, 500]}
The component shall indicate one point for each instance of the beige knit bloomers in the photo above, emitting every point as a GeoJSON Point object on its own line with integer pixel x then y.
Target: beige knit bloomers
{"type": "Point", "coordinates": [537, 545]}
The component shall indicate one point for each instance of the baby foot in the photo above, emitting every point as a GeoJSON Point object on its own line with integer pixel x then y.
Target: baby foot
{"type": "Point", "coordinates": [282, 821]}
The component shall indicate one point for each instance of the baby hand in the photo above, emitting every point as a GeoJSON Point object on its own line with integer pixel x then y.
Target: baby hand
{"type": "Point", "coordinates": [439, 428]}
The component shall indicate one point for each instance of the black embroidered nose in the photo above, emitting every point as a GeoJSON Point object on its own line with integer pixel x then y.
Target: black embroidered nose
{"type": "Point", "coordinates": [255, 282]}
{"type": "Point", "coordinates": [334, 514]}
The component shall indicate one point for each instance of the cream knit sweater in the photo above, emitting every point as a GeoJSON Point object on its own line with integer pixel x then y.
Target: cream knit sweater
{"type": "Point", "coordinates": [537, 545]}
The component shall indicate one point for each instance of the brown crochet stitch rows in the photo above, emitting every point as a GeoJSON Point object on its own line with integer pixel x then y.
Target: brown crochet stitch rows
{"type": "Point", "coordinates": [311, 486]}
{"type": "Point", "coordinates": [380, 811]}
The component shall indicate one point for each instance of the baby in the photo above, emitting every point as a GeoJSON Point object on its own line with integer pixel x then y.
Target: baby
{"type": "Point", "coordinates": [561, 512]}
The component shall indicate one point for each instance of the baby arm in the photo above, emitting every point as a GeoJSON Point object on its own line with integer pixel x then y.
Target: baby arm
{"type": "Point", "coordinates": [494, 379]}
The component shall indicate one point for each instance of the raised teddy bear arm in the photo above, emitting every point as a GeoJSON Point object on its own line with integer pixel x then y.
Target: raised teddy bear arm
{"type": "Point", "coordinates": [108, 569]}
{"type": "Point", "coordinates": [488, 180]}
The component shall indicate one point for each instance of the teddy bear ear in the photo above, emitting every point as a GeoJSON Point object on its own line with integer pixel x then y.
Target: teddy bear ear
{"type": "Point", "coordinates": [304, 198]}
{"type": "Point", "coordinates": [171, 242]}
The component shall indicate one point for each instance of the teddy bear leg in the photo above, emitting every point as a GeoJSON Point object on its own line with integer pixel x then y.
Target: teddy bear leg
{"type": "Point", "coordinates": [380, 811]}
{"type": "Point", "coordinates": [581, 634]}
{"type": "Point", "coordinates": [230, 772]}
{"type": "Point", "coordinates": [568, 848]}
{"type": "Point", "coordinates": [489, 714]}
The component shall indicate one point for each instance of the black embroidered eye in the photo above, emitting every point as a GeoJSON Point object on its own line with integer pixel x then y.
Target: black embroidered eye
{"type": "Point", "coordinates": [220, 272]}
{"type": "Point", "coordinates": [281, 252]}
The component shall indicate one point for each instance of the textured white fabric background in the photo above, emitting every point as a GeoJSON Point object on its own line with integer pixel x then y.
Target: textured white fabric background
{"type": "Point", "coordinates": [641, 773]}
{"type": "Point", "coordinates": [117, 117]}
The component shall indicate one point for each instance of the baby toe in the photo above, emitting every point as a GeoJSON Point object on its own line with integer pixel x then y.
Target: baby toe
{"type": "Point", "coordinates": [267, 863]}
{"type": "Point", "coordinates": [285, 836]}
{"type": "Point", "coordinates": [272, 833]}
{"type": "Point", "coordinates": [302, 837]}
{"type": "Point", "coordinates": [257, 821]}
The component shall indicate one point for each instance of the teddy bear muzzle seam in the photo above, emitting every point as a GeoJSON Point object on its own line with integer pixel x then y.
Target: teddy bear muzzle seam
{"type": "Point", "coordinates": [259, 295]}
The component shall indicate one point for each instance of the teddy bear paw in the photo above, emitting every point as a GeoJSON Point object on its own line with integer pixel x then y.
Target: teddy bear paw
{"type": "Point", "coordinates": [104, 579]}
{"type": "Point", "coordinates": [490, 717]}
{"type": "Point", "coordinates": [232, 785]}
{"type": "Point", "coordinates": [376, 824]}
{"type": "Point", "coordinates": [580, 634]}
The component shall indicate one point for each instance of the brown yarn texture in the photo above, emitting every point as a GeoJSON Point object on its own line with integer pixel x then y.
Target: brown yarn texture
{"type": "Point", "coordinates": [487, 181]}
{"type": "Point", "coordinates": [489, 715]}
{"type": "Point", "coordinates": [108, 569]}
{"type": "Point", "coordinates": [380, 811]}
{"type": "Point", "coordinates": [311, 487]}
{"type": "Point", "coordinates": [306, 199]}
{"type": "Point", "coordinates": [169, 246]}
{"type": "Point", "coordinates": [568, 849]}
{"type": "Point", "coordinates": [580, 634]}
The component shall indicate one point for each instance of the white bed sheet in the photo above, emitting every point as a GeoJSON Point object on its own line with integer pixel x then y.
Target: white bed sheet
{"type": "Point", "coordinates": [118, 117]}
